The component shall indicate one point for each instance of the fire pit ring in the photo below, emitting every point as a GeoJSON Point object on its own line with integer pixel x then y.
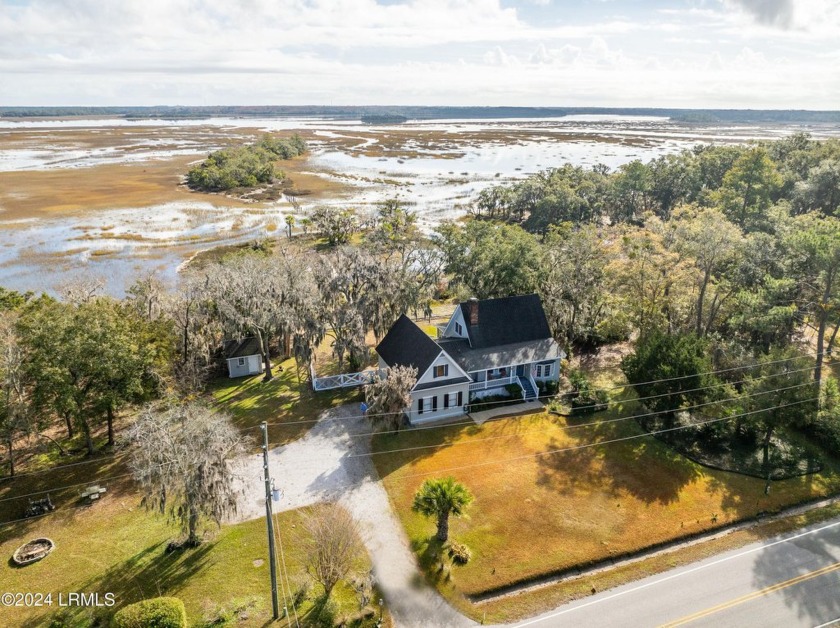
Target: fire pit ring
{"type": "Point", "coordinates": [33, 551]}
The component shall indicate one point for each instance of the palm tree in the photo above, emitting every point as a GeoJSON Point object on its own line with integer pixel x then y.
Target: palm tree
{"type": "Point", "coordinates": [290, 222]}
{"type": "Point", "coordinates": [441, 498]}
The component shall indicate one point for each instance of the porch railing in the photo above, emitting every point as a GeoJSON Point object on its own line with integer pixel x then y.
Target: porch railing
{"type": "Point", "coordinates": [493, 383]}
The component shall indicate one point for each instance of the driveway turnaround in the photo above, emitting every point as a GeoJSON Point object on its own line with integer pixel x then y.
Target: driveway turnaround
{"type": "Point", "coordinates": [326, 465]}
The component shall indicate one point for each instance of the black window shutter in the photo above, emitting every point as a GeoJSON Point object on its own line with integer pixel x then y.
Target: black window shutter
{"type": "Point", "coordinates": [445, 401]}
{"type": "Point", "coordinates": [460, 398]}
{"type": "Point", "coordinates": [434, 403]}
{"type": "Point", "coordinates": [420, 406]}
{"type": "Point", "coordinates": [445, 370]}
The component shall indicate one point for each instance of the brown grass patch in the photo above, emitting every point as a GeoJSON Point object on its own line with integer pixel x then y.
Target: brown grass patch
{"type": "Point", "coordinates": [538, 512]}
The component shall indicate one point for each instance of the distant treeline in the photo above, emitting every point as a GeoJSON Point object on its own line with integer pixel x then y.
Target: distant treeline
{"type": "Point", "coordinates": [244, 166]}
{"type": "Point", "coordinates": [695, 116]}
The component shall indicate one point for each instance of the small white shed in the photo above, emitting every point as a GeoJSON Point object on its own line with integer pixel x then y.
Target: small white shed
{"type": "Point", "coordinates": [243, 357]}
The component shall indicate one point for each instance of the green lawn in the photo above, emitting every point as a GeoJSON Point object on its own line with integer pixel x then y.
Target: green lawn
{"type": "Point", "coordinates": [115, 546]}
{"type": "Point", "coordinates": [284, 400]}
{"type": "Point", "coordinates": [537, 511]}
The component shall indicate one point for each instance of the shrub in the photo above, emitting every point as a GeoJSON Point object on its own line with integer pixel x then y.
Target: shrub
{"type": "Point", "coordinates": [590, 401]}
{"type": "Point", "coordinates": [585, 399]}
{"type": "Point", "coordinates": [159, 612]}
{"type": "Point", "coordinates": [514, 390]}
{"type": "Point", "coordinates": [459, 553]}
{"type": "Point", "coordinates": [548, 387]}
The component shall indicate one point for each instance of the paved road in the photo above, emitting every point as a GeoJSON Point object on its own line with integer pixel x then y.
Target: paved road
{"type": "Point", "coordinates": [789, 581]}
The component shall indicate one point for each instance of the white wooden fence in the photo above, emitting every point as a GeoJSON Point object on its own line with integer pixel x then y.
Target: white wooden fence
{"type": "Point", "coordinates": [345, 380]}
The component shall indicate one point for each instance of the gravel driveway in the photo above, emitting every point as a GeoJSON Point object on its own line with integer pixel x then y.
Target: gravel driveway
{"type": "Point", "coordinates": [321, 467]}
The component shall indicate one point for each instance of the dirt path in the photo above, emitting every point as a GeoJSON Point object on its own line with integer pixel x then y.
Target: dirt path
{"type": "Point", "coordinates": [324, 466]}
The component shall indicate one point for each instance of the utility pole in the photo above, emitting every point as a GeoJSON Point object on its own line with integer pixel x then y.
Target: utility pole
{"type": "Point", "coordinates": [269, 521]}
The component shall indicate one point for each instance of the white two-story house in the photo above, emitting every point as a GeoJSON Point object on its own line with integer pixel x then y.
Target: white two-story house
{"type": "Point", "coordinates": [485, 346]}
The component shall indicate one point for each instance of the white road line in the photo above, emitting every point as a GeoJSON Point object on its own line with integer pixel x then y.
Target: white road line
{"type": "Point", "coordinates": [537, 620]}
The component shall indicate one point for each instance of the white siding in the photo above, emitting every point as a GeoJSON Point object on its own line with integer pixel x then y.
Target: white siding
{"type": "Point", "coordinates": [251, 365]}
{"type": "Point", "coordinates": [555, 370]}
{"type": "Point", "coordinates": [451, 331]}
{"type": "Point", "coordinates": [428, 415]}
{"type": "Point", "coordinates": [442, 360]}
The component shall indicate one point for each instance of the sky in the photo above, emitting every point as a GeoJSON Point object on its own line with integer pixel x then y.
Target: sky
{"type": "Point", "coordinates": [767, 54]}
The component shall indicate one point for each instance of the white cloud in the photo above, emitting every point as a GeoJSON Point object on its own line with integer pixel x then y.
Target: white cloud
{"type": "Point", "coordinates": [419, 51]}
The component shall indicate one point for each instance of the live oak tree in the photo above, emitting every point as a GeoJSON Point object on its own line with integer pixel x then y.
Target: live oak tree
{"type": "Point", "coordinates": [87, 360]}
{"type": "Point", "coordinates": [389, 396]}
{"type": "Point", "coordinates": [15, 419]}
{"type": "Point", "coordinates": [180, 456]}
{"type": "Point", "coordinates": [651, 279]}
{"type": "Point", "coordinates": [442, 498]}
{"type": "Point", "coordinates": [396, 229]}
{"type": "Point", "coordinates": [335, 224]}
{"type": "Point", "coordinates": [197, 330]}
{"type": "Point", "coordinates": [250, 293]}
{"type": "Point", "coordinates": [573, 284]}
{"type": "Point", "coordinates": [711, 243]}
{"type": "Point", "coordinates": [490, 260]}
{"type": "Point", "coordinates": [780, 393]}
{"type": "Point", "coordinates": [815, 239]}
{"type": "Point", "coordinates": [749, 188]}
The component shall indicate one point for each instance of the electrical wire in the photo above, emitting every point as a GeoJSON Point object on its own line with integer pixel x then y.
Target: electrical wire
{"type": "Point", "coordinates": [608, 389]}
{"type": "Point", "coordinates": [282, 588]}
{"type": "Point", "coordinates": [568, 427]}
{"type": "Point", "coordinates": [594, 423]}
{"type": "Point", "coordinates": [606, 442]}
{"type": "Point", "coordinates": [606, 404]}
{"type": "Point", "coordinates": [286, 571]}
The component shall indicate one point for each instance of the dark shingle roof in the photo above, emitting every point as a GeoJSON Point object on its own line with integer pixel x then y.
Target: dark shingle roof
{"type": "Point", "coordinates": [443, 382]}
{"type": "Point", "coordinates": [246, 347]}
{"type": "Point", "coordinates": [472, 360]}
{"type": "Point", "coordinates": [507, 321]}
{"type": "Point", "coordinates": [406, 344]}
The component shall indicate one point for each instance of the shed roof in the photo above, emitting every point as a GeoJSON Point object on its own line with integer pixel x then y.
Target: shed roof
{"type": "Point", "coordinates": [242, 348]}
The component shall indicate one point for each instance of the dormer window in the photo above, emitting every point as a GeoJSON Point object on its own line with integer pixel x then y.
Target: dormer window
{"type": "Point", "coordinates": [442, 370]}
{"type": "Point", "coordinates": [458, 329]}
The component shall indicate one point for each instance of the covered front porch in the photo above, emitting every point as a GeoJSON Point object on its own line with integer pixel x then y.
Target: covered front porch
{"type": "Point", "coordinates": [488, 379]}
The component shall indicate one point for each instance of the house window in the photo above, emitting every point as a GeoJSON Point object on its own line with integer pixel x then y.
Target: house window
{"type": "Point", "coordinates": [241, 361]}
{"type": "Point", "coordinates": [451, 400]}
{"type": "Point", "coordinates": [442, 370]}
{"type": "Point", "coordinates": [458, 329]}
{"type": "Point", "coordinates": [544, 370]}
{"type": "Point", "coordinates": [426, 404]}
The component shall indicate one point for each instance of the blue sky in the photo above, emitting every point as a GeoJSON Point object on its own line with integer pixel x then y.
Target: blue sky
{"type": "Point", "coordinates": [691, 53]}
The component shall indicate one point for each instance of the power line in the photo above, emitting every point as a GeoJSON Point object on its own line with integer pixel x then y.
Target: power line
{"type": "Point", "coordinates": [110, 458]}
{"type": "Point", "coordinates": [567, 394]}
{"type": "Point", "coordinates": [535, 455]}
{"type": "Point", "coordinates": [62, 488]}
{"type": "Point", "coordinates": [591, 424]}
{"type": "Point", "coordinates": [594, 423]}
{"type": "Point", "coordinates": [282, 588]}
{"type": "Point", "coordinates": [606, 442]}
{"type": "Point", "coordinates": [470, 422]}
{"type": "Point", "coordinates": [612, 402]}
{"type": "Point", "coordinates": [286, 574]}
